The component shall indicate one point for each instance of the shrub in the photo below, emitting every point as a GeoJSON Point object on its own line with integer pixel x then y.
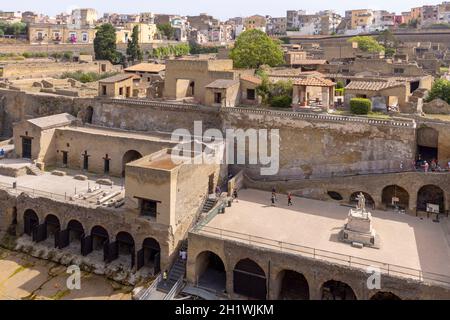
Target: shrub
{"type": "Point", "coordinates": [360, 106]}
{"type": "Point", "coordinates": [283, 101]}
{"type": "Point", "coordinates": [340, 92]}
{"type": "Point", "coordinates": [68, 55]}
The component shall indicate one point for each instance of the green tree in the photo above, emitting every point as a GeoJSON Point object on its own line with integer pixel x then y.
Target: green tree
{"type": "Point", "coordinates": [134, 51]}
{"type": "Point", "coordinates": [441, 90]}
{"type": "Point", "coordinates": [254, 48]}
{"type": "Point", "coordinates": [166, 30]}
{"type": "Point", "coordinates": [105, 44]}
{"type": "Point", "coordinates": [367, 43]}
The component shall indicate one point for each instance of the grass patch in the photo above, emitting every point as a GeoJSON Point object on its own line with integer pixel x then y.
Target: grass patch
{"type": "Point", "coordinates": [378, 115]}
{"type": "Point", "coordinates": [60, 294]}
{"type": "Point", "coordinates": [86, 77]}
{"type": "Point", "coordinates": [20, 269]}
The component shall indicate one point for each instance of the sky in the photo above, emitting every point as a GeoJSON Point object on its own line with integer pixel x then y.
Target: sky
{"type": "Point", "coordinates": [221, 9]}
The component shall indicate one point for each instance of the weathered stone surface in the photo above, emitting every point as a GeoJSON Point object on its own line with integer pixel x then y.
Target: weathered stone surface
{"type": "Point", "coordinates": [58, 173]}
{"type": "Point", "coordinates": [437, 106]}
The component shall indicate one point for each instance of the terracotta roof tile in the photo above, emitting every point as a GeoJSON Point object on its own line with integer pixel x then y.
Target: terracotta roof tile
{"type": "Point", "coordinates": [315, 82]}
{"type": "Point", "coordinates": [373, 85]}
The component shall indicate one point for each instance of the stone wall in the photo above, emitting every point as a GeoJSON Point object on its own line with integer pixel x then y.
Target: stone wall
{"type": "Point", "coordinates": [316, 271]}
{"type": "Point", "coordinates": [437, 106]}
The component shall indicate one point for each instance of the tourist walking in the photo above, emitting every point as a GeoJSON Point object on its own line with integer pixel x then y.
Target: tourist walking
{"type": "Point", "coordinates": [235, 195]}
{"type": "Point", "coordinates": [272, 199]}
{"type": "Point", "coordinates": [425, 166]}
{"type": "Point", "coordinates": [289, 197]}
{"type": "Point", "coordinates": [165, 275]}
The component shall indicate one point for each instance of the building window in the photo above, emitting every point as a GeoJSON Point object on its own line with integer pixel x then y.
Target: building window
{"type": "Point", "coordinates": [104, 90]}
{"type": "Point", "coordinates": [250, 94]}
{"type": "Point", "coordinates": [148, 207]}
{"type": "Point", "coordinates": [85, 37]}
{"type": "Point", "coordinates": [399, 70]}
{"type": "Point", "coordinates": [121, 91]}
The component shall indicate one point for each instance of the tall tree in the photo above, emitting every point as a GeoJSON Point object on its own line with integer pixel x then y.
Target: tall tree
{"type": "Point", "coordinates": [105, 44]}
{"type": "Point", "coordinates": [254, 48]}
{"type": "Point", "coordinates": [134, 51]}
{"type": "Point", "coordinates": [367, 43]}
{"type": "Point", "coordinates": [166, 30]}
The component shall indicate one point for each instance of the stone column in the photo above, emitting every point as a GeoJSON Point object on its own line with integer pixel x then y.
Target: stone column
{"type": "Point", "coordinates": [295, 96]}
{"type": "Point", "coordinates": [325, 97]}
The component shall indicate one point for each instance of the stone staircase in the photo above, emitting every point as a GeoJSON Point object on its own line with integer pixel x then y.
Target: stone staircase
{"type": "Point", "coordinates": [178, 270]}
{"type": "Point", "coordinates": [208, 205]}
{"type": "Point", "coordinates": [35, 171]}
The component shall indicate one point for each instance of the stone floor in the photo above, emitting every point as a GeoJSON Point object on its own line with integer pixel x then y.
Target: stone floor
{"type": "Point", "coordinates": [25, 277]}
{"type": "Point", "coordinates": [59, 186]}
{"type": "Point", "coordinates": [406, 241]}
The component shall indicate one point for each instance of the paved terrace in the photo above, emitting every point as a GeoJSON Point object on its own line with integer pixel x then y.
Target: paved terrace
{"type": "Point", "coordinates": [60, 188]}
{"type": "Point", "coordinates": [406, 241]}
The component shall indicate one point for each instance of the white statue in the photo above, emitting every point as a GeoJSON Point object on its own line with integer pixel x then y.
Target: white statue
{"type": "Point", "coordinates": [361, 202]}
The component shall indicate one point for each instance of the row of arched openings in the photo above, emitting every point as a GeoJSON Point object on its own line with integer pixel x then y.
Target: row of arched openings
{"type": "Point", "coordinates": [249, 281]}
{"type": "Point", "coordinates": [96, 240]}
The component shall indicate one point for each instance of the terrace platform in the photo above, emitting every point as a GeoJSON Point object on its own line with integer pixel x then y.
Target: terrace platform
{"type": "Point", "coordinates": [406, 241]}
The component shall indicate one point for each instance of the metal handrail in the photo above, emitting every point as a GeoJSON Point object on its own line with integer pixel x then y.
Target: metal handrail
{"type": "Point", "coordinates": [175, 289]}
{"type": "Point", "coordinates": [152, 287]}
{"type": "Point", "coordinates": [351, 261]}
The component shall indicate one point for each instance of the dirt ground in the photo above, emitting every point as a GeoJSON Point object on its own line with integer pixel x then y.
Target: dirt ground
{"type": "Point", "coordinates": [24, 277]}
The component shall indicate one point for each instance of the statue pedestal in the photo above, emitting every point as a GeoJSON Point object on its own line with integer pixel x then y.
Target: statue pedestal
{"type": "Point", "coordinates": [358, 228]}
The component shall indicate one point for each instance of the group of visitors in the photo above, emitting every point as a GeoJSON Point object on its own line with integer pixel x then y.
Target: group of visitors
{"type": "Point", "coordinates": [427, 166]}
{"type": "Point", "coordinates": [273, 198]}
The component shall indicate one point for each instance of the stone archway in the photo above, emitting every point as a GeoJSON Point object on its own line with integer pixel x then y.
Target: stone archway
{"type": "Point", "coordinates": [337, 290]}
{"type": "Point", "coordinates": [210, 271]}
{"type": "Point", "coordinates": [249, 280]}
{"type": "Point", "coordinates": [394, 196]}
{"type": "Point", "coordinates": [100, 237]}
{"type": "Point", "coordinates": [151, 254]}
{"type": "Point", "coordinates": [30, 221]}
{"type": "Point", "coordinates": [430, 194]}
{"type": "Point", "coordinates": [76, 232]}
{"type": "Point", "coordinates": [53, 226]}
{"type": "Point", "coordinates": [125, 247]}
{"type": "Point", "coordinates": [383, 295]}
{"type": "Point", "coordinates": [129, 156]}
{"type": "Point", "coordinates": [293, 286]}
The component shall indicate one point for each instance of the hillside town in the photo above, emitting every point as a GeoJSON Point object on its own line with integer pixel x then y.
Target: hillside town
{"type": "Point", "coordinates": [173, 157]}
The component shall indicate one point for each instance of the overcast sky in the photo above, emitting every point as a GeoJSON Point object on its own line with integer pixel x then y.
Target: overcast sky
{"type": "Point", "coordinates": [221, 8]}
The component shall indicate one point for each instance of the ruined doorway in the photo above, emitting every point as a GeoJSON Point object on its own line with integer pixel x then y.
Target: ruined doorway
{"type": "Point", "coordinates": [151, 254]}
{"type": "Point", "coordinates": [210, 272]}
{"type": "Point", "coordinates": [427, 144]}
{"type": "Point", "coordinates": [430, 194]}
{"type": "Point", "coordinates": [249, 280]}
{"type": "Point", "coordinates": [395, 197]}
{"type": "Point", "coordinates": [64, 160]}
{"type": "Point", "coordinates": [76, 232]}
{"type": "Point", "coordinates": [106, 161]}
{"type": "Point", "coordinates": [381, 295]}
{"type": "Point", "coordinates": [85, 161]}
{"type": "Point", "coordinates": [293, 286]}
{"type": "Point", "coordinates": [26, 147]}
{"type": "Point", "coordinates": [125, 246]}
{"type": "Point", "coordinates": [90, 111]}
{"type": "Point", "coordinates": [30, 221]}
{"type": "Point", "coordinates": [53, 225]}
{"type": "Point", "coordinates": [100, 237]}
{"type": "Point", "coordinates": [337, 290]}
{"type": "Point", "coordinates": [129, 156]}
{"type": "Point", "coordinates": [211, 184]}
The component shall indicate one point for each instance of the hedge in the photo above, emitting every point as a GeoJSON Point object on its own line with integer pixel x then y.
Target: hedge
{"type": "Point", "coordinates": [283, 101]}
{"type": "Point", "coordinates": [360, 106]}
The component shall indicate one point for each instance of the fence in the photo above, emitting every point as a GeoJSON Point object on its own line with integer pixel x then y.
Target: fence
{"type": "Point", "coordinates": [343, 259]}
{"type": "Point", "coordinates": [39, 193]}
